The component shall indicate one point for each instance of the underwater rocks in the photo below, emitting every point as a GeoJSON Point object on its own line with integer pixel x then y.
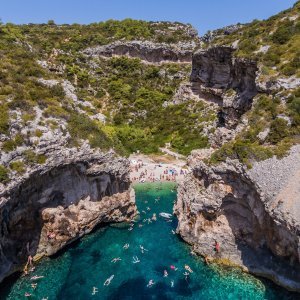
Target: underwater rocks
{"type": "Point", "coordinates": [253, 215]}
{"type": "Point", "coordinates": [146, 50]}
{"type": "Point", "coordinates": [59, 202]}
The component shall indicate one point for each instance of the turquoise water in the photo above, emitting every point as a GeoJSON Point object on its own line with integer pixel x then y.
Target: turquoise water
{"type": "Point", "coordinates": [87, 264]}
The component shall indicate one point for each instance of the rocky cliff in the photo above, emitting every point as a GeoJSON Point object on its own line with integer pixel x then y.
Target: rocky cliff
{"type": "Point", "coordinates": [252, 214]}
{"type": "Point", "coordinates": [59, 202]}
{"type": "Point", "coordinates": [146, 50]}
{"type": "Point", "coordinates": [230, 80]}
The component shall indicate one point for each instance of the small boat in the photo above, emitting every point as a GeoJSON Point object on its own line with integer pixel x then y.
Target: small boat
{"type": "Point", "coordinates": [165, 215]}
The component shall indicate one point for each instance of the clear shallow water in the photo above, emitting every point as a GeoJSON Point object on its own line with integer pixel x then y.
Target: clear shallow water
{"type": "Point", "coordinates": [87, 264]}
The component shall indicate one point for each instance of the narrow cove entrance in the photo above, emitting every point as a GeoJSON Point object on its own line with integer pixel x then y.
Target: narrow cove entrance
{"type": "Point", "coordinates": [144, 250]}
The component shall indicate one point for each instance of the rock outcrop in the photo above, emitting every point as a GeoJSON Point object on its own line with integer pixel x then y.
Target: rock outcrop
{"type": "Point", "coordinates": [231, 81]}
{"type": "Point", "coordinates": [57, 203]}
{"type": "Point", "coordinates": [146, 50]}
{"type": "Point", "coordinates": [253, 215]}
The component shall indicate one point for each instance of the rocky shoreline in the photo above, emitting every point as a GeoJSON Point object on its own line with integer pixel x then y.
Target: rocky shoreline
{"type": "Point", "coordinates": [59, 202]}
{"type": "Point", "coordinates": [255, 229]}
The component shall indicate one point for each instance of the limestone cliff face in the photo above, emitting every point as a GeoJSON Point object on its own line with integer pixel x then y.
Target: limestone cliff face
{"type": "Point", "coordinates": [216, 72]}
{"type": "Point", "coordinates": [58, 203]}
{"type": "Point", "coordinates": [147, 51]}
{"type": "Point", "coordinates": [256, 226]}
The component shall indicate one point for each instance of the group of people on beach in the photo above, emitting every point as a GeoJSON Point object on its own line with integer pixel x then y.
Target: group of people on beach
{"type": "Point", "coordinates": [166, 174]}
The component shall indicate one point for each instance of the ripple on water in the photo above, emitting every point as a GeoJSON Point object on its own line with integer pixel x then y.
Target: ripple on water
{"type": "Point", "coordinates": [87, 264]}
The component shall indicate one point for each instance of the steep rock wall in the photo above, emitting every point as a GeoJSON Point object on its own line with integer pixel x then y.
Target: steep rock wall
{"type": "Point", "coordinates": [225, 204]}
{"type": "Point", "coordinates": [216, 72]}
{"type": "Point", "coordinates": [58, 203]}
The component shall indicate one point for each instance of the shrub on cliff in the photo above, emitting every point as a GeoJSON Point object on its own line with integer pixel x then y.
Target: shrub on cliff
{"type": "Point", "coordinates": [3, 174]}
{"type": "Point", "coordinates": [279, 129]}
{"type": "Point", "coordinates": [4, 119]}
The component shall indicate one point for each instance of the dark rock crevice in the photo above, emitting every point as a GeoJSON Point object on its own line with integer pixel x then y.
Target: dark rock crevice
{"type": "Point", "coordinates": [229, 80]}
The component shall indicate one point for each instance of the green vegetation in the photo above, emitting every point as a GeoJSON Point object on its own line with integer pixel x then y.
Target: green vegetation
{"type": "Point", "coordinates": [31, 158]}
{"type": "Point", "coordinates": [18, 166]}
{"type": "Point", "coordinates": [4, 119]}
{"type": "Point", "coordinates": [281, 33]}
{"type": "Point", "coordinates": [3, 174]}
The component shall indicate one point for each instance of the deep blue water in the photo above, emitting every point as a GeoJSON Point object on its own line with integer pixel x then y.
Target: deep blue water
{"type": "Point", "coordinates": [87, 264]}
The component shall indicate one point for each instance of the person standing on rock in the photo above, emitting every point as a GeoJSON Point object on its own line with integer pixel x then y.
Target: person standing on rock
{"type": "Point", "coordinates": [217, 247]}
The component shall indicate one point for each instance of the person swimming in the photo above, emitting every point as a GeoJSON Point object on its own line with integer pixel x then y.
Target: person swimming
{"type": "Point", "coordinates": [34, 285]}
{"type": "Point", "coordinates": [36, 277]}
{"type": "Point", "coordinates": [150, 283]}
{"type": "Point", "coordinates": [126, 246]}
{"type": "Point", "coordinates": [108, 280]}
{"type": "Point", "coordinates": [173, 268]}
{"type": "Point", "coordinates": [188, 268]}
{"type": "Point", "coordinates": [27, 294]}
{"type": "Point", "coordinates": [165, 273]}
{"type": "Point", "coordinates": [95, 290]}
{"type": "Point", "coordinates": [142, 249]}
{"type": "Point", "coordinates": [135, 260]}
{"type": "Point", "coordinates": [116, 259]}
{"type": "Point", "coordinates": [186, 275]}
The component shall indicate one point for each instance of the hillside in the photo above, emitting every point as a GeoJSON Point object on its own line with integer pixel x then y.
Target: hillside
{"type": "Point", "coordinates": [126, 85]}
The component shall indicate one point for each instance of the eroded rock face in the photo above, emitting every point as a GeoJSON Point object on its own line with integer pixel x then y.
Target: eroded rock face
{"type": "Point", "coordinates": [58, 203]}
{"type": "Point", "coordinates": [234, 207]}
{"type": "Point", "coordinates": [145, 50]}
{"type": "Point", "coordinates": [215, 72]}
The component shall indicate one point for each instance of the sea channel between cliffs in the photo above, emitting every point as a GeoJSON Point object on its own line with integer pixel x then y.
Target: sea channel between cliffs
{"type": "Point", "coordinates": [80, 271]}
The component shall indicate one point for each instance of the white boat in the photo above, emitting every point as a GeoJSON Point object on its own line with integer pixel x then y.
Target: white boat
{"type": "Point", "coordinates": [165, 215]}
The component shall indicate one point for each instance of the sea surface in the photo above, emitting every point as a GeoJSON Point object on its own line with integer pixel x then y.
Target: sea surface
{"type": "Point", "coordinates": [85, 265]}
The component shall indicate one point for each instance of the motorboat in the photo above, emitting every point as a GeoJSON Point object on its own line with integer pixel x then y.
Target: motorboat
{"type": "Point", "coordinates": [165, 215]}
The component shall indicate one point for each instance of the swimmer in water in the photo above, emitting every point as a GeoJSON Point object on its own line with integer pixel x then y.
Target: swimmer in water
{"type": "Point", "coordinates": [186, 274]}
{"type": "Point", "coordinates": [173, 268]}
{"type": "Point", "coordinates": [27, 294]}
{"type": "Point", "coordinates": [188, 268]}
{"type": "Point", "coordinates": [34, 285]}
{"type": "Point", "coordinates": [108, 280]}
{"type": "Point", "coordinates": [165, 273]}
{"type": "Point", "coordinates": [150, 283]}
{"type": "Point", "coordinates": [135, 260]}
{"type": "Point", "coordinates": [142, 249]}
{"type": "Point", "coordinates": [36, 277]}
{"type": "Point", "coordinates": [116, 259]}
{"type": "Point", "coordinates": [95, 290]}
{"type": "Point", "coordinates": [148, 208]}
{"type": "Point", "coordinates": [126, 246]}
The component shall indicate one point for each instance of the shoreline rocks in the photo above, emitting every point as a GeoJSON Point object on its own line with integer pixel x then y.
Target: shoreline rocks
{"type": "Point", "coordinates": [225, 203]}
{"type": "Point", "coordinates": [59, 202]}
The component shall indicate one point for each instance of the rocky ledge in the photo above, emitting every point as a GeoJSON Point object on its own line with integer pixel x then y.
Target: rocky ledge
{"type": "Point", "coordinates": [59, 202]}
{"type": "Point", "coordinates": [252, 214]}
{"type": "Point", "coordinates": [146, 50]}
